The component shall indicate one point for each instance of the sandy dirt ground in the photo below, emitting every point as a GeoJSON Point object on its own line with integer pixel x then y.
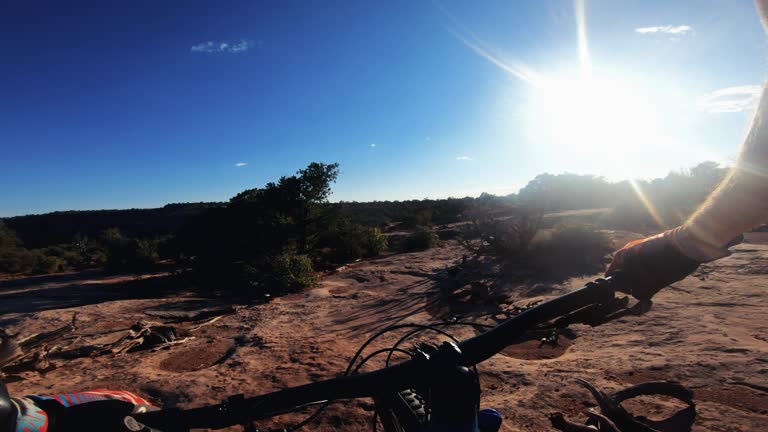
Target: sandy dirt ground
{"type": "Point", "coordinates": [708, 332]}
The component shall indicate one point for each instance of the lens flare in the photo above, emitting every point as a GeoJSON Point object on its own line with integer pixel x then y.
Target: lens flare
{"type": "Point", "coordinates": [581, 26]}
{"type": "Point", "coordinates": [648, 204]}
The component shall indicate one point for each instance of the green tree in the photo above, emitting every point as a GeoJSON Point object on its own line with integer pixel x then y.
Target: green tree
{"type": "Point", "coordinates": [261, 225]}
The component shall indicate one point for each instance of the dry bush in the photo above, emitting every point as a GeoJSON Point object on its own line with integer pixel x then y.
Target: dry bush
{"type": "Point", "coordinates": [504, 231]}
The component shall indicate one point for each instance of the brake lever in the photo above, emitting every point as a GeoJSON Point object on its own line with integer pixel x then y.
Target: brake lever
{"type": "Point", "coordinates": [600, 313]}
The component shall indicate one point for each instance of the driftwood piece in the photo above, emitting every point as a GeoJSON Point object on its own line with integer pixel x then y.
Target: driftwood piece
{"type": "Point", "coordinates": [38, 339]}
{"type": "Point", "coordinates": [144, 335]}
{"type": "Point", "coordinates": [612, 417]}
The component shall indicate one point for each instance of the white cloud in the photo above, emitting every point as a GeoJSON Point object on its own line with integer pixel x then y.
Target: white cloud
{"type": "Point", "coordinates": [241, 164]}
{"type": "Point", "coordinates": [463, 158]}
{"type": "Point", "coordinates": [222, 47]}
{"type": "Point", "coordinates": [731, 99]}
{"type": "Point", "coordinates": [667, 29]}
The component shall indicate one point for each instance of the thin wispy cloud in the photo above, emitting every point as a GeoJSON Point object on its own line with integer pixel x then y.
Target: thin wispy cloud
{"type": "Point", "coordinates": [463, 158]}
{"type": "Point", "coordinates": [241, 164]}
{"type": "Point", "coordinates": [372, 145]}
{"type": "Point", "coordinates": [222, 46]}
{"type": "Point", "coordinates": [731, 99]}
{"type": "Point", "coordinates": [678, 30]}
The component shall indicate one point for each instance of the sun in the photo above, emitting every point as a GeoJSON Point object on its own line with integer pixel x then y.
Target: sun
{"type": "Point", "coordinates": [591, 117]}
{"type": "Point", "coordinates": [596, 120]}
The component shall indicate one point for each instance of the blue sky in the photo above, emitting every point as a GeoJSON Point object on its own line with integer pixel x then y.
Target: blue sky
{"type": "Point", "coordinates": [147, 103]}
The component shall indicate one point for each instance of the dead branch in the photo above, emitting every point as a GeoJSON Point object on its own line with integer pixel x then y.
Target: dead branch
{"type": "Point", "coordinates": [209, 322]}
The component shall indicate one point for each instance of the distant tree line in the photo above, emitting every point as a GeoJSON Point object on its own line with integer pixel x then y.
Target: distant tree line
{"type": "Point", "coordinates": [110, 250]}
{"type": "Point", "coordinates": [61, 227]}
{"type": "Point", "coordinates": [406, 214]}
{"type": "Point", "coordinates": [655, 204]}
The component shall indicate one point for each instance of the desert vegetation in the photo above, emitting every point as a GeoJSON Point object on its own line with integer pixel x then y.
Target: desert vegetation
{"type": "Point", "coordinates": [110, 250]}
{"type": "Point", "coordinates": [276, 237]}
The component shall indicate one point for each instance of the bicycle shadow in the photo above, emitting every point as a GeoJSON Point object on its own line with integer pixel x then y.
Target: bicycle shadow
{"type": "Point", "coordinates": [480, 290]}
{"type": "Point", "coordinates": [427, 295]}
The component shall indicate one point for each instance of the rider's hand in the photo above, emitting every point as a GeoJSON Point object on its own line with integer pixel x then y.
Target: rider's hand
{"type": "Point", "coordinates": [643, 267]}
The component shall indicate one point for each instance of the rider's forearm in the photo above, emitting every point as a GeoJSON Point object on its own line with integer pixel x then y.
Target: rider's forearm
{"type": "Point", "coordinates": [740, 203]}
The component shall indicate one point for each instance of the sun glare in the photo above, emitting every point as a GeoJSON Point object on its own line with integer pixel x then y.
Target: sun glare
{"type": "Point", "coordinates": [596, 114]}
{"type": "Point", "coordinates": [590, 117]}
{"type": "Point", "coordinates": [596, 119]}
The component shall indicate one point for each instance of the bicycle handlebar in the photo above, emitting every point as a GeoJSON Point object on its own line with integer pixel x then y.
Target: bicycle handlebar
{"type": "Point", "coordinates": [238, 410]}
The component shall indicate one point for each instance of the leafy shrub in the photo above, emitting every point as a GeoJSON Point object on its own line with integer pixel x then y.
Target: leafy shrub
{"type": "Point", "coordinates": [260, 275]}
{"type": "Point", "coordinates": [13, 258]}
{"type": "Point", "coordinates": [291, 272]}
{"type": "Point", "coordinates": [8, 239]}
{"type": "Point", "coordinates": [417, 217]}
{"type": "Point", "coordinates": [569, 248]}
{"type": "Point", "coordinates": [146, 251]}
{"type": "Point", "coordinates": [68, 255]}
{"type": "Point", "coordinates": [124, 253]}
{"type": "Point", "coordinates": [348, 241]}
{"type": "Point", "coordinates": [16, 260]}
{"type": "Point", "coordinates": [48, 264]}
{"type": "Point", "coordinates": [419, 240]}
{"type": "Point", "coordinates": [375, 242]}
